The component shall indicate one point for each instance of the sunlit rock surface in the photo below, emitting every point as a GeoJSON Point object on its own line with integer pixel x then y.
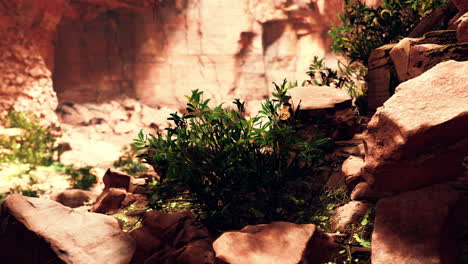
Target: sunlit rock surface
{"type": "Point", "coordinates": [74, 237]}
{"type": "Point", "coordinates": [418, 137]}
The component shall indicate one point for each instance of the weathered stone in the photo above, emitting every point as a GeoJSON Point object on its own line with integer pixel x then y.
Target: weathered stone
{"type": "Point", "coordinates": [462, 28]}
{"type": "Point", "coordinates": [351, 170]}
{"type": "Point", "coordinates": [74, 237]}
{"type": "Point", "coordinates": [422, 226]}
{"type": "Point", "coordinates": [413, 56]}
{"type": "Point", "coordinates": [429, 23]}
{"type": "Point", "coordinates": [321, 97]}
{"type": "Point", "coordinates": [74, 198]}
{"type": "Point", "coordinates": [380, 78]}
{"type": "Point", "coordinates": [109, 200]}
{"type": "Point", "coordinates": [418, 137]}
{"type": "Point", "coordinates": [172, 238]}
{"type": "Point", "coordinates": [348, 214]}
{"type": "Point", "coordinates": [277, 242]}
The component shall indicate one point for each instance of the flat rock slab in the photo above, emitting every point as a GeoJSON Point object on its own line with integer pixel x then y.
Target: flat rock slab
{"type": "Point", "coordinates": [321, 97]}
{"type": "Point", "coordinates": [275, 243]}
{"type": "Point", "coordinates": [419, 137]}
{"type": "Point", "coordinates": [75, 237]}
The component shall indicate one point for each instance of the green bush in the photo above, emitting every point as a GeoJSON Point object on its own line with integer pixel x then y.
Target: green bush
{"type": "Point", "coordinates": [366, 28]}
{"type": "Point", "coordinates": [129, 161]}
{"type": "Point", "coordinates": [33, 151]}
{"type": "Point", "coordinates": [237, 171]}
{"type": "Point", "coordinates": [35, 146]}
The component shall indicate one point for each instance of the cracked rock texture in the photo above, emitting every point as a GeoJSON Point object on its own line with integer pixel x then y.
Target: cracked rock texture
{"type": "Point", "coordinates": [156, 51]}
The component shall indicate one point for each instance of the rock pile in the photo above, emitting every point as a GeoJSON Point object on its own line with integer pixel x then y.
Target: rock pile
{"type": "Point", "coordinates": [416, 149]}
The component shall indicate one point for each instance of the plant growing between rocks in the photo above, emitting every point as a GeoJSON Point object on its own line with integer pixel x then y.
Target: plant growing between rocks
{"type": "Point", "coordinates": [28, 159]}
{"type": "Point", "coordinates": [236, 171]}
{"type": "Point", "coordinates": [365, 28]}
{"type": "Point", "coordinates": [348, 76]}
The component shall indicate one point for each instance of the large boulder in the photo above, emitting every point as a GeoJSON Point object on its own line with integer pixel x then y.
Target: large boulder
{"type": "Point", "coordinates": [36, 230]}
{"type": "Point", "coordinates": [176, 238]}
{"type": "Point", "coordinates": [428, 225]}
{"type": "Point", "coordinates": [275, 243]}
{"type": "Point", "coordinates": [418, 137]}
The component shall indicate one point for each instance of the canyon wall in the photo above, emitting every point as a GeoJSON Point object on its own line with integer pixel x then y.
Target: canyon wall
{"type": "Point", "coordinates": [157, 51]}
{"type": "Point", "coordinates": [227, 48]}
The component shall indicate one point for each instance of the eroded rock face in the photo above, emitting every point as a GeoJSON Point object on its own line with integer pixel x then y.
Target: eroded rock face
{"type": "Point", "coordinates": [418, 137]}
{"type": "Point", "coordinates": [176, 238]}
{"type": "Point", "coordinates": [229, 49]}
{"type": "Point", "coordinates": [74, 237]}
{"type": "Point", "coordinates": [423, 226]}
{"type": "Point", "coordinates": [275, 243]}
{"type": "Point", "coordinates": [413, 56]}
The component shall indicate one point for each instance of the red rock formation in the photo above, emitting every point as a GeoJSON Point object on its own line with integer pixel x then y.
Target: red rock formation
{"type": "Point", "coordinates": [418, 137]}
{"type": "Point", "coordinates": [275, 243]}
{"type": "Point", "coordinates": [74, 237]}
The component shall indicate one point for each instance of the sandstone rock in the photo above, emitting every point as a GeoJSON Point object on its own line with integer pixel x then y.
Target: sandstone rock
{"type": "Point", "coordinates": [173, 239]}
{"type": "Point", "coordinates": [413, 56]}
{"type": "Point", "coordinates": [277, 242]}
{"type": "Point", "coordinates": [74, 198]}
{"type": "Point", "coordinates": [330, 107]}
{"type": "Point", "coordinates": [418, 137]}
{"type": "Point", "coordinates": [348, 214]}
{"type": "Point", "coordinates": [363, 191]}
{"type": "Point", "coordinates": [115, 179]}
{"type": "Point", "coordinates": [321, 97]}
{"type": "Point", "coordinates": [429, 23]}
{"type": "Point", "coordinates": [72, 236]}
{"type": "Point", "coordinates": [351, 169]}
{"type": "Point", "coordinates": [380, 79]}
{"type": "Point", "coordinates": [109, 200]}
{"type": "Point", "coordinates": [462, 29]}
{"type": "Point", "coordinates": [422, 226]}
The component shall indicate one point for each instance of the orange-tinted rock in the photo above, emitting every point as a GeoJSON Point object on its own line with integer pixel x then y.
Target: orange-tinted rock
{"type": "Point", "coordinates": [423, 226]}
{"type": "Point", "coordinates": [74, 237]}
{"type": "Point", "coordinates": [275, 243]}
{"type": "Point", "coordinates": [418, 137]}
{"type": "Point", "coordinates": [176, 238]}
{"type": "Point", "coordinates": [348, 214]}
{"type": "Point", "coordinates": [115, 179]}
{"type": "Point", "coordinates": [75, 198]}
{"type": "Point", "coordinates": [351, 170]}
{"type": "Point", "coordinates": [108, 200]}
{"type": "Point", "coordinates": [413, 56]}
{"type": "Point", "coordinates": [462, 29]}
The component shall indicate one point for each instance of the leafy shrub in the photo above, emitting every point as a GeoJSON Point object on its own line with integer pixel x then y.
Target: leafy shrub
{"type": "Point", "coordinates": [35, 146]}
{"type": "Point", "coordinates": [80, 178]}
{"type": "Point", "coordinates": [129, 161]}
{"type": "Point", "coordinates": [348, 76]}
{"type": "Point", "coordinates": [237, 171]}
{"type": "Point", "coordinates": [33, 151]}
{"type": "Point", "coordinates": [366, 28]}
